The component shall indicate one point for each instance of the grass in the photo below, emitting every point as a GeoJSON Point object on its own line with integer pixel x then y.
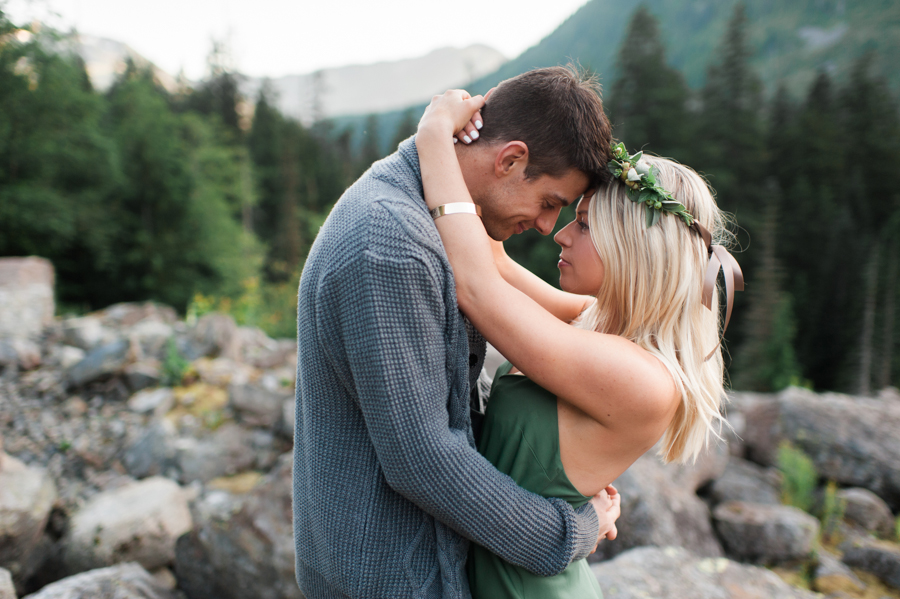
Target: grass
{"type": "Point", "coordinates": [799, 478]}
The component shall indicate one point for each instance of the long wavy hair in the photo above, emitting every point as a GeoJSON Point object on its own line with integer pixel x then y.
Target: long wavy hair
{"type": "Point", "coordinates": [651, 295]}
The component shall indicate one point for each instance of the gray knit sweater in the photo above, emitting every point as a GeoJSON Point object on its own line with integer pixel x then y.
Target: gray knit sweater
{"type": "Point", "coordinates": [388, 486]}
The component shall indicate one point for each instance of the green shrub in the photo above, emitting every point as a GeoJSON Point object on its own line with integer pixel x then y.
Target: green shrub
{"type": "Point", "coordinates": [832, 512]}
{"type": "Point", "coordinates": [799, 478]}
{"type": "Point", "coordinates": [174, 365]}
{"type": "Point", "coordinates": [267, 305]}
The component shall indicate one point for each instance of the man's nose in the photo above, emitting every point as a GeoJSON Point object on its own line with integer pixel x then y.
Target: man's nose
{"type": "Point", "coordinates": [544, 223]}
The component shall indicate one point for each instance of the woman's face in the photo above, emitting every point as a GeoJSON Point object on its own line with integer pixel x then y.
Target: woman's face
{"type": "Point", "coordinates": [580, 267]}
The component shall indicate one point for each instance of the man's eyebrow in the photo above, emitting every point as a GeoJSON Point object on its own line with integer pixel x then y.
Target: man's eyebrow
{"type": "Point", "coordinates": [565, 202]}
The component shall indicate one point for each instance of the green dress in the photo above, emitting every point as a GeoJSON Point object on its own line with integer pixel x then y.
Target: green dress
{"type": "Point", "coordinates": [521, 438]}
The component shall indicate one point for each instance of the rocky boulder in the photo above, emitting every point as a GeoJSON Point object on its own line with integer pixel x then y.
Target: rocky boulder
{"type": "Point", "coordinates": [242, 546]}
{"type": "Point", "coordinates": [27, 495]}
{"type": "Point", "coordinates": [124, 581]}
{"type": "Point", "coordinates": [673, 572]}
{"type": "Point", "coordinates": [876, 557]}
{"type": "Point", "coordinates": [138, 522]}
{"type": "Point", "coordinates": [260, 403]}
{"type": "Point", "coordinates": [765, 534]}
{"type": "Point", "coordinates": [660, 506]}
{"type": "Point", "coordinates": [26, 297]}
{"type": "Point", "coordinates": [101, 361]}
{"type": "Point", "coordinates": [831, 577]}
{"type": "Point", "coordinates": [7, 590]}
{"type": "Point", "coordinates": [851, 440]}
{"type": "Point", "coordinates": [745, 481]}
{"type": "Point", "coordinates": [865, 509]}
{"type": "Point", "coordinates": [86, 332]}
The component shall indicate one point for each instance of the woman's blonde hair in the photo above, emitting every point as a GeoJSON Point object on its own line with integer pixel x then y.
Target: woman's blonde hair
{"type": "Point", "coordinates": [651, 295]}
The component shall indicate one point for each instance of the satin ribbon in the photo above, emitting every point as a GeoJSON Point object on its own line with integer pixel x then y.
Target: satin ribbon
{"type": "Point", "coordinates": [719, 259]}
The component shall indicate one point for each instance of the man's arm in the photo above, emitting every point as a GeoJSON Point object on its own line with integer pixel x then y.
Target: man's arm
{"type": "Point", "coordinates": [392, 317]}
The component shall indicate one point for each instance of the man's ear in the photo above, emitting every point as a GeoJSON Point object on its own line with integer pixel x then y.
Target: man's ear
{"type": "Point", "coordinates": [512, 157]}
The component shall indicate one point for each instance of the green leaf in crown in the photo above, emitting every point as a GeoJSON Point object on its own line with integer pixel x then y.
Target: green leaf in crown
{"type": "Point", "coordinates": [643, 187]}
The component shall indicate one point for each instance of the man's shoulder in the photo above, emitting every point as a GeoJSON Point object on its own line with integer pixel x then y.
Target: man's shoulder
{"type": "Point", "coordinates": [377, 216]}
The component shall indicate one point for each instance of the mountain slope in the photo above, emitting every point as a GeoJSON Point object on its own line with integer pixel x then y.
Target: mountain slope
{"type": "Point", "coordinates": [791, 39]}
{"type": "Point", "coordinates": [379, 87]}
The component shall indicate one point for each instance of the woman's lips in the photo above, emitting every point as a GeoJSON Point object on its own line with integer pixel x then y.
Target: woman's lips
{"type": "Point", "coordinates": [562, 262]}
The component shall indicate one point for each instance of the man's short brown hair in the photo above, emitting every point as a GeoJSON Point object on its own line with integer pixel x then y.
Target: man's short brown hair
{"type": "Point", "coordinates": [557, 112]}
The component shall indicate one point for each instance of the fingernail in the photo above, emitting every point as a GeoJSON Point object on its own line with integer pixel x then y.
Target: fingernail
{"type": "Point", "coordinates": [455, 140]}
{"type": "Point", "coordinates": [478, 125]}
{"type": "Point", "coordinates": [467, 139]}
{"type": "Point", "coordinates": [474, 134]}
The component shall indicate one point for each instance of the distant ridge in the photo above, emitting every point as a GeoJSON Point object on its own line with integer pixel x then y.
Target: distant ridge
{"type": "Point", "coordinates": [106, 59]}
{"type": "Point", "coordinates": [379, 87]}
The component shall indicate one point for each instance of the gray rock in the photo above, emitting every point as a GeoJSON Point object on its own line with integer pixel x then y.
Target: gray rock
{"type": "Point", "coordinates": [865, 509]}
{"type": "Point", "coordinates": [101, 361]}
{"type": "Point", "coordinates": [7, 590]}
{"type": "Point", "coordinates": [660, 507]}
{"type": "Point", "coordinates": [86, 332]}
{"type": "Point", "coordinates": [876, 557]}
{"type": "Point", "coordinates": [832, 577]}
{"type": "Point", "coordinates": [242, 548]}
{"type": "Point", "coordinates": [27, 495]}
{"type": "Point", "coordinates": [143, 374]}
{"type": "Point", "coordinates": [851, 440]}
{"type": "Point", "coordinates": [257, 404]}
{"type": "Point", "coordinates": [214, 335]}
{"type": "Point", "coordinates": [222, 372]}
{"type": "Point", "coordinates": [229, 450]}
{"type": "Point", "coordinates": [765, 534]}
{"type": "Point", "coordinates": [128, 314]}
{"type": "Point", "coordinates": [67, 356]}
{"type": "Point", "coordinates": [124, 581]}
{"type": "Point", "coordinates": [26, 297]}
{"type": "Point", "coordinates": [151, 336]}
{"type": "Point", "coordinates": [158, 400]}
{"type": "Point", "coordinates": [22, 353]}
{"type": "Point", "coordinates": [674, 573]}
{"type": "Point", "coordinates": [138, 522]}
{"type": "Point", "coordinates": [258, 349]}
{"type": "Point", "coordinates": [745, 481]}
{"type": "Point", "coordinates": [154, 453]}
{"type": "Point", "coordinates": [288, 416]}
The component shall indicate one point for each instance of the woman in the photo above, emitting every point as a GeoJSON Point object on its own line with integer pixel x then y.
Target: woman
{"type": "Point", "coordinates": [605, 368]}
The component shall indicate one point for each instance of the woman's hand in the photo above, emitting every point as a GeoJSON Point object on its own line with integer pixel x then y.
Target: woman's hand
{"type": "Point", "coordinates": [454, 113]}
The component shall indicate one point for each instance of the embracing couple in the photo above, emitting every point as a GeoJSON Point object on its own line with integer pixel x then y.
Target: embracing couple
{"type": "Point", "coordinates": [394, 494]}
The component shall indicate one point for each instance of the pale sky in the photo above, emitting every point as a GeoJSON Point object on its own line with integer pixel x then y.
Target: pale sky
{"type": "Point", "coordinates": [279, 37]}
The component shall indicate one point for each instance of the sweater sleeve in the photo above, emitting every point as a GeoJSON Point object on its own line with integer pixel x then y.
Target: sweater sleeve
{"type": "Point", "coordinates": [390, 312]}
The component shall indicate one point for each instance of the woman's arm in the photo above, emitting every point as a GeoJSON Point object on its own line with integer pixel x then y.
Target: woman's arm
{"type": "Point", "coordinates": [608, 377]}
{"type": "Point", "coordinates": [565, 306]}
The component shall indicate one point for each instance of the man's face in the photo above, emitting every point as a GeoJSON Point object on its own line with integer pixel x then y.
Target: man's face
{"type": "Point", "coordinates": [521, 204]}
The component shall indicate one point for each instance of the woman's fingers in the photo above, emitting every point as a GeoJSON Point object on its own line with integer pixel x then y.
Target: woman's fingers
{"type": "Point", "coordinates": [457, 108]}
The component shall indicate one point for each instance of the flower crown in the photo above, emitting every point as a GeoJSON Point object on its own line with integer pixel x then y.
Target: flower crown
{"type": "Point", "coordinates": [643, 187]}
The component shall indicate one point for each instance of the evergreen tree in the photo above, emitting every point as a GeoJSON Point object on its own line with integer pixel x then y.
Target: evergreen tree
{"type": "Point", "coordinates": [405, 128]}
{"type": "Point", "coordinates": [766, 360]}
{"type": "Point", "coordinates": [731, 130]}
{"type": "Point", "coordinates": [872, 125]}
{"type": "Point", "coordinates": [219, 95]}
{"type": "Point", "coordinates": [370, 151]}
{"type": "Point", "coordinates": [57, 166]}
{"type": "Point", "coordinates": [648, 104]}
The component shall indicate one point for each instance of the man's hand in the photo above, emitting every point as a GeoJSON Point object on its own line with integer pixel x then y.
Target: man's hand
{"type": "Point", "coordinates": [607, 504]}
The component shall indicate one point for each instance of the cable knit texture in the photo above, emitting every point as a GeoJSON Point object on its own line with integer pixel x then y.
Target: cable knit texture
{"type": "Point", "coordinates": [388, 485]}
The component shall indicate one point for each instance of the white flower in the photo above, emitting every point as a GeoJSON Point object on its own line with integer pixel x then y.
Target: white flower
{"type": "Point", "coordinates": [633, 175]}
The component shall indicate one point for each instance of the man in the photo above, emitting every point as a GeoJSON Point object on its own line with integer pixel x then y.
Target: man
{"type": "Point", "coordinates": [388, 485]}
